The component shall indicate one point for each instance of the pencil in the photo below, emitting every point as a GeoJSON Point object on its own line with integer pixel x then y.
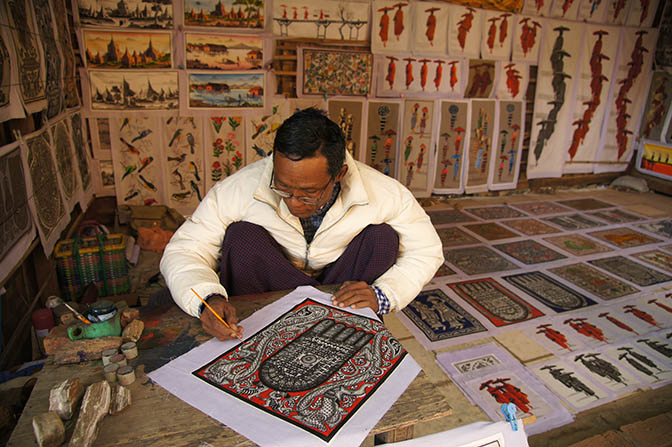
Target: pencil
{"type": "Point", "coordinates": [213, 311]}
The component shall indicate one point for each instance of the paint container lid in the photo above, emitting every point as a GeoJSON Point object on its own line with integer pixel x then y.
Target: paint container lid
{"type": "Point", "coordinates": [117, 358]}
{"type": "Point", "coordinates": [128, 346]}
{"type": "Point", "coordinates": [112, 367]}
{"type": "Point", "coordinates": [102, 310]}
{"type": "Point", "coordinates": [110, 352]}
{"type": "Point", "coordinates": [43, 319]}
{"type": "Point", "coordinates": [123, 370]}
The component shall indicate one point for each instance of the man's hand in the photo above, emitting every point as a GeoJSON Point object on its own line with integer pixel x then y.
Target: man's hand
{"type": "Point", "coordinates": [357, 295]}
{"type": "Point", "coordinates": [214, 327]}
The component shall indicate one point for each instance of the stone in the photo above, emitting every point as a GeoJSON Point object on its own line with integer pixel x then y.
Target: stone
{"type": "Point", "coordinates": [64, 397]}
{"type": "Point", "coordinates": [133, 331]}
{"type": "Point", "coordinates": [121, 398]}
{"type": "Point", "coordinates": [48, 429]}
{"type": "Point", "coordinates": [129, 314]}
{"type": "Point", "coordinates": [95, 405]}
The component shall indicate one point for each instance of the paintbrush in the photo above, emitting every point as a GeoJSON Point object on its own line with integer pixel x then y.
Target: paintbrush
{"type": "Point", "coordinates": [81, 317]}
{"type": "Point", "coordinates": [214, 313]}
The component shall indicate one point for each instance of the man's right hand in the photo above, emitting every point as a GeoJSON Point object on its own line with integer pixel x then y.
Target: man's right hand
{"type": "Point", "coordinates": [214, 327]}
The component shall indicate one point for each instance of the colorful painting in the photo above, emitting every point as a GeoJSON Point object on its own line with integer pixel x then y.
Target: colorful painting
{"type": "Point", "coordinates": [624, 237]}
{"type": "Point", "coordinates": [655, 258]}
{"type": "Point", "coordinates": [661, 227]}
{"type": "Point", "coordinates": [183, 148]}
{"type": "Point", "coordinates": [431, 23]}
{"type": "Point", "coordinates": [15, 218]}
{"type": "Point", "coordinates": [577, 245]}
{"type": "Point", "coordinates": [52, 57]}
{"type": "Point", "coordinates": [657, 104]}
{"type": "Point", "coordinates": [586, 204]}
{"type": "Point", "coordinates": [508, 146]}
{"type": "Point", "coordinates": [481, 80]}
{"type": "Point", "coordinates": [536, 8]}
{"type": "Point", "coordinates": [349, 115]}
{"type": "Point", "coordinates": [126, 13]}
{"type": "Point", "coordinates": [399, 76]}
{"type": "Point", "coordinates": [452, 139]}
{"type": "Point", "coordinates": [599, 284]}
{"type": "Point", "coordinates": [464, 31]}
{"type": "Point", "coordinates": [530, 227]}
{"type": "Point", "coordinates": [416, 142]}
{"type": "Point", "coordinates": [567, 10]}
{"type": "Point", "coordinates": [328, 19]}
{"type": "Point", "coordinates": [482, 139]}
{"type": "Point", "coordinates": [655, 159]}
{"type": "Point", "coordinates": [527, 34]}
{"type": "Point", "coordinates": [616, 216]}
{"type": "Point", "coordinates": [332, 72]}
{"type": "Point", "coordinates": [595, 12]}
{"type": "Point", "coordinates": [128, 50]}
{"type": "Point", "coordinates": [631, 271]}
{"type": "Point", "coordinates": [442, 217]}
{"type": "Point", "coordinates": [454, 237]}
{"type": "Point", "coordinates": [513, 79]}
{"type": "Point", "coordinates": [573, 222]}
{"type": "Point", "coordinates": [228, 14]}
{"type": "Point", "coordinates": [231, 90]}
{"type": "Point", "coordinates": [478, 260]}
{"type": "Point", "coordinates": [133, 90]}
{"type": "Point", "coordinates": [391, 26]}
{"type": "Point", "coordinates": [529, 252]}
{"type": "Point", "coordinates": [261, 131]}
{"type": "Point", "coordinates": [495, 212]}
{"type": "Point", "coordinates": [440, 318]}
{"type": "Point", "coordinates": [497, 35]}
{"type": "Point", "coordinates": [497, 303]}
{"type": "Point", "coordinates": [491, 231]}
{"type": "Point", "coordinates": [541, 208]}
{"type": "Point", "coordinates": [549, 292]}
{"type": "Point", "coordinates": [642, 13]}
{"type": "Point", "coordinates": [225, 137]}
{"type": "Point", "coordinates": [223, 52]}
{"type": "Point", "coordinates": [382, 142]}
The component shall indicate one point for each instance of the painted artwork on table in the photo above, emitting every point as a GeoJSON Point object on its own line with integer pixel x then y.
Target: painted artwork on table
{"type": "Point", "coordinates": [482, 140]}
{"type": "Point", "coordinates": [529, 252]}
{"type": "Point", "coordinates": [491, 231]}
{"type": "Point", "coordinates": [16, 223]}
{"type": "Point", "coordinates": [505, 166]}
{"type": "Point", "coordinates": [549, 291]}
{"type": "Point", "coordinates": [223, 52]}
{"type": "Point", "coordinates": [431, 24]}
{"type": "Point", "coordinates": [60, 138]}
{"type": "Point", "coordinates": [497, 303]}
{"type": "Point", "coordinates": [328, 19]}
{"type": "Point", "coordinates": [130, 90]}
{"type": "Point", "coordinates": [631, 271]}
{"type": "Point", "coordinates": [577, 244]}
{"type": "Point", "coordinates": [416, 145]}
{"type": "Point", "coordinates": [594, 281]}
{"type": "Point", "coordinates": [128, 50]}
{"type": "Point", "coordinates": [557, 74]}
{"type": "Point", "coordinates": [527, 34]}
{"type": "Point", "coordinates": [231, 90]}
{"type": "Point", "coordinates": [617, 12]}
{"type": "Point", "coordinates": [440, 318]}
{"type": "Point", "coordinates": [464, 31]}
{"type": "Point", "coordinates": [333, 72]}
{"type": "Point", "coordinates": [225, 137]}
{"type": "Point", "coordinates": [52, 57]}
{"type": "Point", "coordinates": [225, 14]}
{"type": "Point", "coordinates": [655, 258]}
{"type": "Point", "coordinates": [349, 115]}
{"type": "Point", "coordinates": [482, 79]}
{"type": "Point", "coordinates": [586, 204]}
{"type": "Point", "coordinates": [642, 13]}
{"type": "Point", "coordinates": [630, 81]}
{"type": "Point", "coordinates": [615, 216]}
{"type": "Point", "coordinates": [530, 227]}
{"type": "Point", "coordinates": [452, 140]}
{"type": "Point", "coordinates": [655, 159]}
{"type": "Point", "coordinates": [497, 35]}
{"type": "Point", "coordinates": [454, 237]}
{"type": "Point", "coordinates": [450, 216]}
{"type": "Point", "coordinates": [478, 260]}
{"type": "Point", "coordinates": [657, 105]}
{"type": "Point", "coordinates": [541, 208]}
{"type": "Point", "coordinates": [382, 138]}
{"type": "Point", "coordinates": [391, 30]}
{"type": "Point", "coordinates": [573, 222]}
{"type": "Point", "coordinates": [495, 212]}
{"type": "Point", "coordinates": [81, 149]}
{"type": "Point", "coordinates": [261, 131]}
{"type": "Point", "coordinates": [70, 88]}
{"type": "Point", "coordinates": [513, 78]}
{"type": "Point", "coordinates": [183, 149]}
{"type": "Point", "coordinates": [125, 14]}
{"type": "Point", "coordinates": [624, 237]}
{"type": "Point", "coordinates": [596, 66]}
{"type": "Point", "coordinates": [332, 346]}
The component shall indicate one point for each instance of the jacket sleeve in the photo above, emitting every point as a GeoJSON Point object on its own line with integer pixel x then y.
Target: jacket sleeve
{"type": "Point", "coordinates": [420, 253]}
{"type": "Point", "coordinates": [190, 258]}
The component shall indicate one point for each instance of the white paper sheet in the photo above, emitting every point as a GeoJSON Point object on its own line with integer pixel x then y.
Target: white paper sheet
{"type": "Point", "coordinates": [478, 434]}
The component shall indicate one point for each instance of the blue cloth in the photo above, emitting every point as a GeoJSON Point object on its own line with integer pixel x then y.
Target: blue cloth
{"type": "Point", "coordinates": [383, 301]}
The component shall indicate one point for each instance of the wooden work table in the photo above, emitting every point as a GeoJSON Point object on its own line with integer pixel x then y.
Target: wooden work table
{"type": "Point", "coordinates": [157, 418]}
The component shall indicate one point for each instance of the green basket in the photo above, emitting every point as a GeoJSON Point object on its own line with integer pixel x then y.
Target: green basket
{"type": "Point", "coordinates": [100, 260]}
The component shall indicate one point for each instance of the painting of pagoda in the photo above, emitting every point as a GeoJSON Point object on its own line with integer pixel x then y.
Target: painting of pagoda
{"type": "Point", "coordinates": [133, 90]}
{"type": "Point", "coordinates": [147, 14]}
{"type": "Point", "coordinates": [246, 14]}
{"type": "Point", "coordinates": [217, 52]}
{"type": "Point", "coordinates": [109, 49]}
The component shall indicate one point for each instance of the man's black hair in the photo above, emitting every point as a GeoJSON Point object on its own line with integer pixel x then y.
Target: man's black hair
{"type": "Point", "coordinates": [309, 132]}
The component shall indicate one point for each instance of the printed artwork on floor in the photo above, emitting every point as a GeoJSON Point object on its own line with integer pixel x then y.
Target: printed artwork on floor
{"type": "Point", "coordinates": [223, 52]}
{"type": "Point", "coordinates": [226, 14]}
{"type": "Point", "coordinates": [452, 139]}
{"type": "Point", "coordinates": [183, 136]}
{"type": "Point", "coordinates": [15, 218]}
{"type": "Point", "coordinates": [225, 136]}
{"type": "Point", "coordinates": [478, 260]}
{"type": "Point", "coordinates": [559, 62]}
{"type": "Point", "coordinates": [231, 90]}
{"type": "Point", "coordinates": [391, 26]}
{"type": "Point", "coordinates": [604, 371]}
{"type": "Point", "coordinates": [416, 144]}
{"type": "Point", "coordinates": [349, 115]}
{"type": "Point", "coordinates": [631, 271]}
{"type": "Point", "coordinates": [655, 159]}
{"type": "Point", "coordinates": [508, 148]}
{"type": "Point", "coordinates": [81, 145]}
{"type": "Point", "coordinates": [464, 31]}
{"type": "Point", "coordinates": [616, 216]}
{"type": "Point", "coordinates": [655, 258]}
{"type": "Point", "coordinates": [497, 35]}
{"type": "Point", "coordinates": [60, 137]}
{"type": "Point", "coordinates": [624, 237]}
{"type": "Point", "coordinates": [306, 356]}
{"type": "Point", "coordinates": [112, 49]}
{"type": "Point", "coordinates": [431, 23]}
{"type": "Point", "coordinates": [126, 14]}
{"type": "Point", "coordinates": [530, 227]}
{"type": "Point", "coordinates": [132, 90]}
{"type": "Point", "coordinates": [573, 386]}
{"type": "Point", "coordinates": [482, 138]}
{"type": "Point", "coordinates": [70, 89]}
{"type": "Point", "coordinates": [491, 231]}
{"type": "Point", "coordinates": [549, 292]}
{"type": "Point", "coordinates": [658, 345]}
{"type": "Point", "coordinates": [541, 208]}
{"type": "Point", "coordinates": [513, 78]}
{"type": "Point", "coordinates": [441, 318]}
{"type": "Point", "coordinates": [529, 252]}
{"type": "Point", "coordinates": [454, 237]}
{"type": "Point", "coordinates": [52, 57]}
{"type": "Point", "coordinates": [594, 281]}
{"type": "Point", "coordinates": [382, 142]}
{"type": "Point", "coordinates": [442, 217]}
{"type": "Point", "coordinates": [554, 337]}
{"type": "Point", "coordinates": [328, 19]}
{"type": "Point", "coordinates": [586, 204]}
{"type": "Point", "coordinates": [261, 131]}
{"type": "Point", "coordinates": [481, 80]}
{"type": "Point", "coordinates": [632, 357]}
{"type": "Point", "coordinates": [342, 73]}
{"type": "Point", "coordinates": [527, 34]}
{"type": "Point", "coordinates": [499, 305]}
{"type": "Point", "coordinates": [590, 330]}
{"type": "Point", "coordinates": [444, 270]}
{"type": "Point", "coordinates": [577, 244]}
{"type": "Point", "coordinates": [656, 107]}
{"type": "Point", "coordinates": [495, 212]}
{"type": "Point", "coordinates": [573, 222]}
{"type": "Point", "coordinates": [661, 227]}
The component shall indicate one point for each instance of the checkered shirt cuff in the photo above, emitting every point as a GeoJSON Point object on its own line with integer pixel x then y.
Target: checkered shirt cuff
{"type": "Point", "coordinates": [383, 302]}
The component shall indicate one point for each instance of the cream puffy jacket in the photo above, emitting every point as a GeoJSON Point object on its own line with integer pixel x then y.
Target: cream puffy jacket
{"type": "Point", "coordinates": [366, 197]}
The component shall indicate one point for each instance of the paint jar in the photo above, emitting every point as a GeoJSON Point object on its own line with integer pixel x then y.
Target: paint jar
{"type": "Point", "coordinates": [107, 354]}
{"type": "Point", "coordinates": [126, 375]}
{"type": "Point", "coordinates": [119, 359]}
{"type": "Point", "coordinates": [130, 350]}
{"type": "Point", "coordinates": [110, 372]}
{"type": "Point", "coordinates": [43, 321]}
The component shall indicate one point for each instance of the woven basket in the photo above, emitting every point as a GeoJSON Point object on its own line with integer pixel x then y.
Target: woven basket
{"type": "Point", "coordinates": [100, 260]}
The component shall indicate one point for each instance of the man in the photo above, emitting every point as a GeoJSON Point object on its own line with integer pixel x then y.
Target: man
{"type": "Point", "coordinates": [308, 215]}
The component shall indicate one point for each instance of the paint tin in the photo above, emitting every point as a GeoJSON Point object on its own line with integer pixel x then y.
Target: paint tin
{"type": "Point", "coordinates": [110, 372]}
{"type": "Point", "coordinates": [107, 354]}
{"type": "Point", "coordinates": [130, 350]}
{"type": "Point", "coordinates": [126, 375]}
{"type": "Point", "coordinates": [119, 359]}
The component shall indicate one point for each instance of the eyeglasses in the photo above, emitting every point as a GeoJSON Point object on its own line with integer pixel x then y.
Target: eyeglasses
{"type": "Point", "coordinates": [304, 199]}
